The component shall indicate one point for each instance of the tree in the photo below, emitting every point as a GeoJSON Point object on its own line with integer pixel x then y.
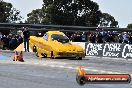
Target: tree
{"type": "Point", "coordinates": [129, 25]}
{"type": "Point", "coordinates": [66, 12]}
{"type": "Point", "coordinates": [8, 13]}
{"type": "Point", "coordinates": [108, 21]}
{"type": "Point", "coordinates": [71, 12]}
{"type": "Point", "coordinates": [36, 16]}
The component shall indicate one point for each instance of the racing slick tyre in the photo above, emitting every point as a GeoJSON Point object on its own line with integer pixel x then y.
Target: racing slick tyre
{"type": "Point", "coordinates": [79, 58]}
{"type": "Point", "coordinates": [37, 54]}
{"type": "Point", "coordinates": [81, 80]}
{"type": "Point", "coordinates": [44, 55]}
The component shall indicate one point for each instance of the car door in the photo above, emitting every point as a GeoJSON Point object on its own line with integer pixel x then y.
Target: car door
{"type": "Point", "coordinates": [47, 47]}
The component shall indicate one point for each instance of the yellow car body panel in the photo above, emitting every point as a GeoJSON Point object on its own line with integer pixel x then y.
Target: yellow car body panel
{"type": "Point", "coordinates": [59, 49]}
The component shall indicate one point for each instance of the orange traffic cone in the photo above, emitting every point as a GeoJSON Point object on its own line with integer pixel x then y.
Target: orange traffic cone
{"type": "Point", "coordinates": [81, 71]}
{"type": "Point", "coordinates": [21, 57]}
{"type": "Point", "coordinates": [18, 57]}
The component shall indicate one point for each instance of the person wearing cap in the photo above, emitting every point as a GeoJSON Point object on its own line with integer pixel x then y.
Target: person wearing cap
{"type": "Point", "coordinates": [26, 37]}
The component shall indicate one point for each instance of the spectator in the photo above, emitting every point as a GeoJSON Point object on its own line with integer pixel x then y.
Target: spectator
{"type": "Point", "coordinates": [26, 36]}
{"type": "Point", "coordinates": [99, 37]}
{"type": "Point", "coordinates": [105, 36]}
{"type": "Point", "coordinates": [110, 37]}
{"type": "Point", "coordinates": [1, 43]}
{"type": "Point", "coordinates": [125, 38]}
{"type": "Point", "coordinates": [5, 41]}
{"type": "Point", "coordinates": [20, 39]}
{"type": "Point", "coordinates": [13, 43]}
{"type": "Point", "coordinates": [0, 36]}
{"type": "Point", "coordinates": [83, 37]}
{"type": "Point", "coordinates": [120, 38]}
{"type": "Point", "coordinates": [92, 38]}
{"type": "Point", "coordinates": [76, 37]}
{"type": "Point", "coordinates": [73, 37]}
{"type": "Point", "coordinates": [130, 38]}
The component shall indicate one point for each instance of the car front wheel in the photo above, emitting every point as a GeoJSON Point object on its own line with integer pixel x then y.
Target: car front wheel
{"type": "Point", "coordinates": [79, 58]}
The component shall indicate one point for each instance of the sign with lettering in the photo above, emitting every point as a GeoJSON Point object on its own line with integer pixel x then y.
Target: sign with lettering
{"type": "Point", "coordinates": [108, 50]}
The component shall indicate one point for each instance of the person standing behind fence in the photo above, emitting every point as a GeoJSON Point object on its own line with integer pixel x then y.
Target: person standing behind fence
{"type": "Point", "coordinates": [26, 37]}
{"type": "Point", "coordinates": [126, 38]}
{"type": "Point", "coordinates": [0, 36]}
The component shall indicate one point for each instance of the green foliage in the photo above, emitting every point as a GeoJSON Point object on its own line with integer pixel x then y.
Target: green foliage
{"type": "Point", "coordinates": [108, 21]}
{"type": "Point", "coordinates": [129, 25]}
{"type": "Point", "coordinates": [36, 16]}
{"type": "Point", "coordinates": [71, 12]}
{"type": "Point", "coordinates": [8, 13]}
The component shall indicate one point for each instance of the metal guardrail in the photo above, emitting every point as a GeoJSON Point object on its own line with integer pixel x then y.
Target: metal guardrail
{"type": "Point", "coordinates": [36, 27]}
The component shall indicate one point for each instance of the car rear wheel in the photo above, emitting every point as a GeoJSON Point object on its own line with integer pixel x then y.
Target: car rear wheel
{"type": "Point", "coordinates": [80, 58]}
{"type": "Point", "coordinates": [44, 55]}
{"type": "Point", "coordinates": [37, 54]}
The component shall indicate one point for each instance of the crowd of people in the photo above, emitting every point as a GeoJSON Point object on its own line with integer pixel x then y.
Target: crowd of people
{"type": "Point", "coordinates": [13, 41]}
{"type": "Point", "coordinates": [102, 37]}
{"type": "Point", "coordinates": [10, 41]}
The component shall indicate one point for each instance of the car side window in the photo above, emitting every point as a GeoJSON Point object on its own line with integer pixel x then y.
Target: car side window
{"type": "Point", "coordinates": [45, 37]}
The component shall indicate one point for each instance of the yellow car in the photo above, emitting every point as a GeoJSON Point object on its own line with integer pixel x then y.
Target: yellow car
{"type": "Point", "coordinates": [55, 44]}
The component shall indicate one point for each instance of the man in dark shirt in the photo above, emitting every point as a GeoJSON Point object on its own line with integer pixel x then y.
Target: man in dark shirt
{"type": "Point", "coordinates": [26, 36]}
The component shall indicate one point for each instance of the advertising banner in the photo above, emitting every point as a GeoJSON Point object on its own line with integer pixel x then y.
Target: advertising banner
{"type": "Point", "coordinates": [109, 50]}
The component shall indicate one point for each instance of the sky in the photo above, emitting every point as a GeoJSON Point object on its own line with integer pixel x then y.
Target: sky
{"type": "Point", "coordinates": [119, 9]}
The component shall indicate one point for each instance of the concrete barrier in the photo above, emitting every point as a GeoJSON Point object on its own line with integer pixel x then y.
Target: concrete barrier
{"type": "Point", "coordinates": [21, 48]}
{"type": "Point", "coordinates": [82, 44]}
{"type": "Point", "coordinates": [114, 50]}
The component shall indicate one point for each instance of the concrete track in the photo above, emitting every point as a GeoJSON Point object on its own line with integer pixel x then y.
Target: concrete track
{"type": "Point", "coordinates": [57, 73]}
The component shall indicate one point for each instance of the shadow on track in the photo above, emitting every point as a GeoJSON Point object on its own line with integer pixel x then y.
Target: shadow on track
{"type": "Point", "coordinates": [67, 58]}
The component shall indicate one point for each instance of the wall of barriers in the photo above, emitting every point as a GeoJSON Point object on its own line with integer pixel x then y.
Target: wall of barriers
{"type": "Point", "coordinates": [114, 50]}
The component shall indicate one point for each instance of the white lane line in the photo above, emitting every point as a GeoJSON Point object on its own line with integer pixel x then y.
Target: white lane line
{"type": "Point", "coordinates": [70, 67]}
{"type": "Point", "coordinates": [94, 70]}
{"type": "Point", "coordinates": [44, 64]}
{"type": "Point", "coordinates": [103, 71]}
{"type": "Point", "coordinates": [59, 63]}
{"type": "Point", "coordinates": [61, 66]}
{"type": "Point", "coordinates": [117, 73]}
{"type": "Point", "coordinates": [110, 72]}
{"type": "Point", "coordinates": [52, 66]}
{"type": "Point", "coordinates": [36, 63]}
{"type": "Point", "coordinates": [87, 69]}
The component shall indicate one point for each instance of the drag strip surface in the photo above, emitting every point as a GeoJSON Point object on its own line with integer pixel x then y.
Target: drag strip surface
{"type": "Point", "coordinates": [57, 73]}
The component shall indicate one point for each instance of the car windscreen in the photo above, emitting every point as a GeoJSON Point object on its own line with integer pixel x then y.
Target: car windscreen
{"type": "Point", "coordinates": [60, 38]}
